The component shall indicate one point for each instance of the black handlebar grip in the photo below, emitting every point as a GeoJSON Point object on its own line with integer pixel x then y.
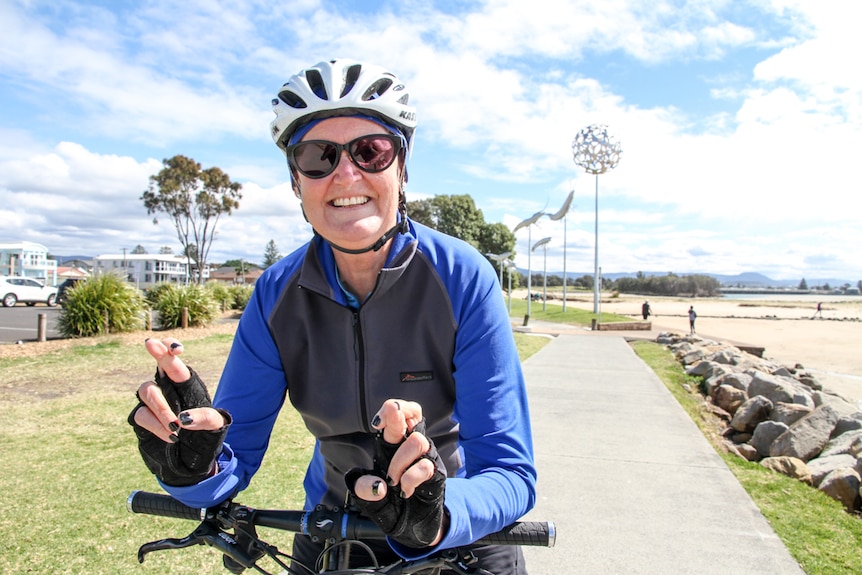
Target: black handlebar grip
{"type": "Point", "coordinates": [533, 533]}
{"type": "Point", "coordinates": [162, 505]}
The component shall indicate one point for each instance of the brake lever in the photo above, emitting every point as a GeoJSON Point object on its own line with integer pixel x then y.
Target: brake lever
{"type": "Point", "coordinates": [205, 534]}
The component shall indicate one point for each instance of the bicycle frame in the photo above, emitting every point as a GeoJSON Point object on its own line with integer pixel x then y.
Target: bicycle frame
{"type": "Point", "coordinates": [337, 528]}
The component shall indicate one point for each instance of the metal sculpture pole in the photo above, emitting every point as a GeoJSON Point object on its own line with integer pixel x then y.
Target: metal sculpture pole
{"type": "Point", "coordinates": [543, 243]}
{"type": "Point", "coordinates": [597, 152]}
{"type": "Point", "coordinates": [500, 259]}
{"type": "Point", "coordinates": [563, 211]}
{"type": "Point", "coordinates": [511, 267]}
{"type": "Point", "coordinates": [528, 223]}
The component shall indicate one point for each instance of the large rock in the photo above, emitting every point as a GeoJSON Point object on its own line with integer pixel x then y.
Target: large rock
{"type": "Point", "coordinates": [738, 380]}
{"type": "Point", "coordinates": [842, 485]}
{"type": "Point", "coordinates": [777, 389]}
{"type": "Point", "coordinates": [807, 437]}
{"type": "Point", "coordinates": [820, 467]}
{"type": "Point", "coordinates": [846, 424]}
{"type": "Point", "coordinates": [701, 369]}
{"type": "Point", "coordinates": [849, 443]}
{"type": "Point", "coordinates": [750, 413]}
{"type": "Point", "coordinates": [789, 413]}
{"type": "Point", "coordinates": [789, 466]}
{"type": "Point", "coordinates": [765, 433]}
{"type": "Point", "coordinates": [729, 399]}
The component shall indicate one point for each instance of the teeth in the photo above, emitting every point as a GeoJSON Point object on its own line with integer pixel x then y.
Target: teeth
{"type": "Point", "coordinates": [356, 201]}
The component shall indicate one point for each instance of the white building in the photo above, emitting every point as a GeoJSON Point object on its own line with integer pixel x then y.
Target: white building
{"type": "Point", "coordinates": [144, 270]}
{"type": "Point", "coordinates": [27, 259]}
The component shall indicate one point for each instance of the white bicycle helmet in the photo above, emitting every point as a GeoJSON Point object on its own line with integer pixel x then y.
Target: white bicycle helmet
{"type": "Point", "coordinates": [341, 88]}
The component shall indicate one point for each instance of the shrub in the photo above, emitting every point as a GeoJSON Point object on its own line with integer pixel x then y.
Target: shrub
{"type": "Point", "coordinates": [84, 310]}
{"type": "Point", "coordinates": [154, 293]}
{"type": "Point", "coordinates": [241, 294]}
{"type": "Point", "coordinates": [199, 301]}
{"type": "Point", "coordinates": [220, 294]}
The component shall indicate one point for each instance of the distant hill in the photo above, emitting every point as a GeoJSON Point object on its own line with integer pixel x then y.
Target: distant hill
{"type": "Point", "coordinates": [746, 279]}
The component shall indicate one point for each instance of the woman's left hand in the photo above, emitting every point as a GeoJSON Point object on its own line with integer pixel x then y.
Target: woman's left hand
{"type": "Point", "coordinates": [413, 465]}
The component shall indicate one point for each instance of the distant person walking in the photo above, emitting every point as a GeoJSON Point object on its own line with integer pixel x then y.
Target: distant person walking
{"type": "Point", "coordinates": [819, 311]}
{"type": "Point", "coordinates": [645, 309]}
{"type": "Point", "coordinates": [692, 315]}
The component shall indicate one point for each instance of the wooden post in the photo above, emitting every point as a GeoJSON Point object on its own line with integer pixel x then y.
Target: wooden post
{"type": "Point", "coordinates": [42, 328]}
{"type": "Point", "coordinates": [149, 320]}
{"type": "Point", "coordinates": [107, 323]}
{"type": "Point", "coordinates": [184, 322]}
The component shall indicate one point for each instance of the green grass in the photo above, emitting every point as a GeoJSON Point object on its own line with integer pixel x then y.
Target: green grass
{"type": "Point", "coordinates": [820, 535]}
{"type": "Point", "coordinates": [554, 313]}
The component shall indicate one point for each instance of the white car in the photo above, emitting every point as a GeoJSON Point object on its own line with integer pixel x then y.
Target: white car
{"type": "Point", "coordinates": [26, 290]}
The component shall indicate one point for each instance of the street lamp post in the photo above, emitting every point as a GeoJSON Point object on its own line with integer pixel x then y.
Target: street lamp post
{"type": "Point", "coordinates": [562, 214]}
{"type": "Point", "coordinates": [543, 243]}
{"type": "Point", "coordinates": [527, 224]}
{"type": "Point", "coordinates": [597, 152]}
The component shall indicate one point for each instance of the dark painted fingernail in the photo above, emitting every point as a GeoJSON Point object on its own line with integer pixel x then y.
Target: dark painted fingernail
{"type": "Point", "coordinates": [173, 426]}
{"type": "Point", "coordinates": [186, 419]}
{"type": "Point", "coordinates": [389, 480]}
{"type": "Point", "coordinates": [175, 345]}
{"type": "Point", "coordinates": [376, 421]}
{"type": "Point", "coordinates": [374, 488]}
{"type": "Point", "coordinates": [146, 340]}
{"type": "Point", "coordinates": [174, 437]}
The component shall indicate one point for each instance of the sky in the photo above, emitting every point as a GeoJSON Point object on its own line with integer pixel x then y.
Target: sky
{"type": "Point", "coordinates": [739, 121]}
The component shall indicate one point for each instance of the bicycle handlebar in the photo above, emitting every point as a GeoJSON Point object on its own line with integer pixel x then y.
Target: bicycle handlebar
{"type": "Point", "coordinates": [347, 525]}
{"type": "Point", "coordinates": [323, 524]}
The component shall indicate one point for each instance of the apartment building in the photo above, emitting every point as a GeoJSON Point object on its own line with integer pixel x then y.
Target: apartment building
{"type": "Point", "coordinates": [27, 259]}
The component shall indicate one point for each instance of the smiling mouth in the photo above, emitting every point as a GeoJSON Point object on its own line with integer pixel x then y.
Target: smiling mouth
{"type": "Point", "coordinates": [346, 202]}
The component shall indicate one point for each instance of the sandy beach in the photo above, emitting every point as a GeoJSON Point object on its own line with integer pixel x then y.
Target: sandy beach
{"type": "Point", "coordinates": [828, 347]}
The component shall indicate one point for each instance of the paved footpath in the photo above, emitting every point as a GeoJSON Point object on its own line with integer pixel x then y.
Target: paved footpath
{"type": "Point", "coordinates": [629, 480]}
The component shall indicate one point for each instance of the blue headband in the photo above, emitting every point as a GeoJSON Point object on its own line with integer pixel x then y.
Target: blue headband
{"type": "Point", "coordinates": [305, 128]}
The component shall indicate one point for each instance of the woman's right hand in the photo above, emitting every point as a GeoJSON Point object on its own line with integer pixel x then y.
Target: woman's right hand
{"type": "Point", "coordinates": [175, 408]}
{"type": "Point", "coordinates": [155, 414]}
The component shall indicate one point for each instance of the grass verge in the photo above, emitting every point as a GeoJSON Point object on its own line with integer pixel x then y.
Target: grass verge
{"type": "Point", "coordinates": [553, 312]}
{"type": "Point", "coordinates": [820, 535]}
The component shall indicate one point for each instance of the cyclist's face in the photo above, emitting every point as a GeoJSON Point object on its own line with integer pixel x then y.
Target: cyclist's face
{"type": "Point", "coordinates": [350, 207]}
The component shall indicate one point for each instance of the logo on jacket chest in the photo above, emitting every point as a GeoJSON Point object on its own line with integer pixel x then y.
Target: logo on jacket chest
{"type": "Point", "coordinates": [413, 376]}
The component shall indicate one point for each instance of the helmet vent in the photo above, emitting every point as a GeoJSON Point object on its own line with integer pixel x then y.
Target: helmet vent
{"type": "Point", "coordinates": [291, 99]}
{"type": "Point", "coordinates": [377, 89]}
{"type": "Point", "coordinates": [350, 77]}
{"type": "Point", "coordinates": [315, 82]}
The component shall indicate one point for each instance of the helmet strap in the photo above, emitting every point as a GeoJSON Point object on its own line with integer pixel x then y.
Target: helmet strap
{"type": "Point", "coordinates": [400, 227]}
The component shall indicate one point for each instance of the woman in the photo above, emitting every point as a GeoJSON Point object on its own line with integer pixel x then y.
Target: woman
{"type": "Point", "coordinates": [385, 335]}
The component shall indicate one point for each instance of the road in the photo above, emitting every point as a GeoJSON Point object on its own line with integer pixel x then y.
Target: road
{"type": "Point", "coordinates": [21, 323]}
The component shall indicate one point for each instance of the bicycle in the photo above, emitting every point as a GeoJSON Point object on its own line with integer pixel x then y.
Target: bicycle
{"type": "Point", "coordinates": [339, 528]}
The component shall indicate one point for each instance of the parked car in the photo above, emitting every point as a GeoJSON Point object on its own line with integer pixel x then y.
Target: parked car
{"type": "Point", "coordinates": [64, 287]}
{"type": "Point", "coordinates": [26, 290]}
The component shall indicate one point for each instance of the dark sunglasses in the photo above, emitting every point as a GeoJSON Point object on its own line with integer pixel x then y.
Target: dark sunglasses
{"type": "Point", "coordinates": [318, 158]}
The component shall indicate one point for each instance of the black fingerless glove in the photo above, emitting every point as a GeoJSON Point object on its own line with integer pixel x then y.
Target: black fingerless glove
{"type": "Point", "coordinates": [415, 521]}
{"type": "Point", "coordinates": [192, 458]}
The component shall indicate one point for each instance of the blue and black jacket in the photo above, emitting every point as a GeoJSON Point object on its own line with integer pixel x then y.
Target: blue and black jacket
{"type": "Point", "coordinates": [434, 330]}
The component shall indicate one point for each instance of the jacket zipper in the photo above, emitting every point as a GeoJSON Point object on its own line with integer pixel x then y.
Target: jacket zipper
{"type": "Point", "coordinates": [359, 354]}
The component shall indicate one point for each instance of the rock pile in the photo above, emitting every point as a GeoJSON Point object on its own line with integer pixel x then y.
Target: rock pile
{"type": "Point", "coordinates": [778, 415]}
